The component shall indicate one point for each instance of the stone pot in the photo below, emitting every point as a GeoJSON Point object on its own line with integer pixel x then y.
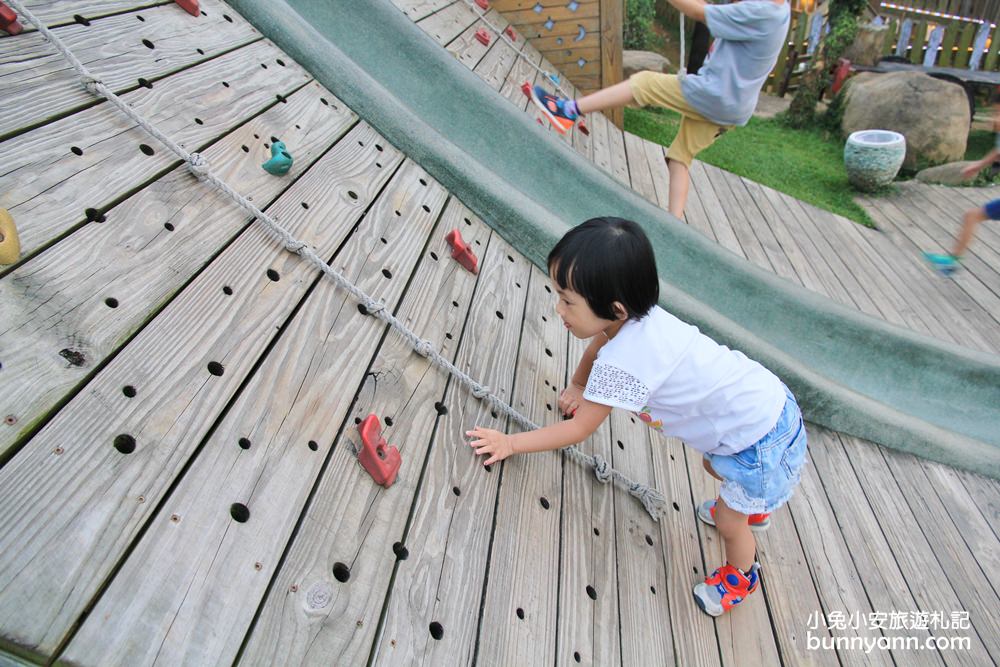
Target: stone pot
{"type": "Point", "coordinates": [873, 158]}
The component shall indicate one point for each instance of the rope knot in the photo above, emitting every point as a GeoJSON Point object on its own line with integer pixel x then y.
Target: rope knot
{"type": "Point", "coordinates": [294, 245]}
{"type": "Point", "coordinates": [602, 469]}
{"type": "Point", "coordinates": [651, 499]}
{"type": "Point", "coordinates": [373, 306]}
{"type": "Point", "coordinates": [91, 83]}
{"type": "Point", "coordinates": [424, 348]}
{"type": "Point", "coordinates": [480, 390]}
{"type": "Point", "coordinates": [198, 165]}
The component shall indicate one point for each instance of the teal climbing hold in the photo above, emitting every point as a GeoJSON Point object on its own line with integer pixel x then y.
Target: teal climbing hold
{"type": "Point", "coordinates": [281, 160]}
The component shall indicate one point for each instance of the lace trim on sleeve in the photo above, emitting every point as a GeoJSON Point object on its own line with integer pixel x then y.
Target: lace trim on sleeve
{"type": "Point", "coordinates": [613, 386]}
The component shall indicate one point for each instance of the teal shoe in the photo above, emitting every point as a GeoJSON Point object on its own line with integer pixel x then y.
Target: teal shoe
{"type": "Point", "coordinates": [943, 264]}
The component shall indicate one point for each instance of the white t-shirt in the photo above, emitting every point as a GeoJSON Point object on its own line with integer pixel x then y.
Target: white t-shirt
{"type": "Point", "coordinates": [684, 384]}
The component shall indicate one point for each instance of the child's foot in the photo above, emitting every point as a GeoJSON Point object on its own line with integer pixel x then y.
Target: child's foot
{"type": "Point", "coordinates": [727, 587]}
{"type": "Point", "coordinates": [559, 111]}
{"type": "Point", "coordinates": [757, 522]}
{"type": "Point", "coordinates": [943, 264]}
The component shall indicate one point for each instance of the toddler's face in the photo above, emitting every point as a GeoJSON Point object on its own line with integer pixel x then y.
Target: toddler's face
{"type": "Point", "coordinates": [577, 315]}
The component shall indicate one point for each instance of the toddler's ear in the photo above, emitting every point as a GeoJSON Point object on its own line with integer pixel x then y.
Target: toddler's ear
{"type": "Point", "coordinates": [620, 311]}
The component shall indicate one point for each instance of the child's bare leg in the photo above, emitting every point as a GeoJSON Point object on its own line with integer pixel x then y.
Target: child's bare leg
{"type": "Point", "coordinates": [708, 468]}
{"type": "Point", "coordinates": [680, 179]}
{"type": "Point", "coordinates": [618, 95]}
{"type": "Point", "coordinates": [970, 221]}
{"type": "Point", "coordinates": [740, 544]}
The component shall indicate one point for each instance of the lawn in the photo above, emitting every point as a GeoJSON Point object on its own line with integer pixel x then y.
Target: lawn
{"type": "Point", "coordinates": [807, 164]}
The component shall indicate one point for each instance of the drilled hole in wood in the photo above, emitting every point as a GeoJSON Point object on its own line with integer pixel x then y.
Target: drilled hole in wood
{"type": "Point", "coordinates": [509, 258]}
{"type": "Point", "coordinates": [81, 20]}
{"type": "Point", "coordinates": [520, 613]}
{"type": "Point", "coordinates": [280, 62]}
{"type": "Point", "coordinates": [169, 226]}
{"type": "Point", "coordinates": [620, 445]}
{"type": "Point", "coordinates": [298, 127]}
{"type": "Point", "coordinates": [467, 221]}
{"type": "Point", "coordinates": [129, 391]}
{"type": "Point", "coordinates": [325, 103]}
{"type": "Point", "coordinates": [201, 52]}
{"type": "Point", "coordinates": [141, 18]}
{"type": "Point", "coordinates": [427, 209]}
{"type": "Point", "coordinates": [239, 512]}
{"type": "Point", "coordinates": [423, 182]}
{"type": "Point", "coordinates": [263, 65]}
{"type": "Point", "coordinates": [402, 553]}
{"type": "Point", "coordinates": [649, 540]}
{"type": "Point", "coordinates": [591, 593]}
{"type": "Point", "coordinates": [378, 165]}
{"type": "Point", "coordinates": [225, 83]}
{"type": "Point", "coordinates": [437, 630]}
{"type": "Point", "coordinates": [677, 507]}
{"type": "Point", "coordinates": [148, 44]}
{"type": "Point", "coordinates": [111, 302]}
{"type": "Point", "coordinates": [652, 589]}
{"type": "Point", "coordinates": [457, 491]}
{"type": "Point", "coordinates": [93, 215]}
{"type": "Point", "coordinates": [246, 149]}
{"type": "Point", "coordinates": [448, 336]}
{"type": "Point", "coordinates": [441, 408]}
{"type": "Point", "coordinates": [548, 352]}
{"type": "Point", "coordinates": [146, 149]}
{"type": "Point", "coordinates": [313, 445]}
{"type": "Point", "coordinates": [125, 443]}
{"type": "Point", "coordinates": [244, 443]}
{"type": "Point", "coordinates": [227, 290]}
{"type": "Point", "coordinates": [227, 17]}
{"type": "Point", "coordinates": [597, 532]}
{"type": "Point", "coordinates": [544, 319]}
{"type": "Point", "coordinates": [273, 275]}
{"type": "Point", "coordinates": [362, 309]}
{"type": "Point", "coordinates": [576, 656]}
{"type": "Point", "coordinates": [281, 98]}
{"type": "Point", "coordinates": [478, 243]}
{"type": "Point", "coordinates": [357, 420]}
{"type": "Point", "coordinates": [76, 150]}
{"type": "Point", "coordinates": [145, 83]}
{"type": "Point", "coordinates": [548, 406]}
{"type": "Point", "coordinates": [494, 414]}
{"type": "Point", "coordinates": [517, 284]}
{"type": "Point", "coordinates": [434, 256]}
{"type": "Point", "coordinates": [397, 213]}
{"type": "Point", "coordinates": [548, 289]}
{"type": "Point", "coordinates": [544, 502]}
{"type": "Point", "coordinates": [488, 467]}
{"type": "Point", "coordinates": [352, 194]}
{"type": "Point", "coordinates": [341, 572]}
{"type": "Point", "coordinates": [387, 273]}
{"type": "Point", "coordinates": [695, 570]}
{"type": "Point", "coordinates": [215, 368]}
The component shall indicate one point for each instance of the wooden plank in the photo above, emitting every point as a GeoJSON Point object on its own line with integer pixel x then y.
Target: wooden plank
{"type": "Point", "coordinates": [611, 51]}
{"type": "Point", "coordinates": [522, 592]}
{"type": "Point", "coordinates": [991, 56]}
{"type": "Point", "coordinates": [467, 49]}
{"type": "Point", "coordinates": [532, 24]}
{"type": "Point", "coordinates": [39, 84]}
{"type": "Point", "coordinates": [619, 162]}
{"type": "Point", "coordinates": [947, 45]}
{"type": "Point", "coordinates": [646, 625]}
{"type": "Point", "coordinates": [521, 72]}
{"type": "Point", "coordinates": [420, 9]}
{"type": "Point", "coordinates": [449, 23]}
{"type": "Point", "coordinates": [657, 162]}
{"type": "Point", "coordinates": [448, 542]}
{"type": "Point", "coordinates": [694, 210]}
{"type": "Point", "coordinates": [58, 12]}
{"type": "Point", "coordinates": [188, 591]}
{"type": "Point", "coordinates": [715, 212]}
{"type": "Point", "coordinates": [904, 530]}
{"type": "Point", "coordinates": [638, 167]}
{"type": "Point", "coordinates": [919, 42]}
{"type": "Point", "coordinates": [885, 585]}
{"type": "Point", "coordinates": [56, 304]}
{"type": "Point", "coordinates": [496, 65]}
{"type": "Point", "coordinates": [91, 160]}
{"type": "Point", "coordinates": [891, 36]}
{"type": "Point", "coordinates": [784, 254]}
{"type": "Point", "coordinates": [309, 615]}
{"type": "Point", "coordinates": [72, 462]}
{"type": "Point", "coordinates": [589, 631]}
{"type": "Point", "coordinates": [749, 244]}
{"type": "Point", "coordinates": [566, 35]}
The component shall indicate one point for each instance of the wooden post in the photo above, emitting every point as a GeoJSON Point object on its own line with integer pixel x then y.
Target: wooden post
{"type": "Point", "coordinates": [612, 15]}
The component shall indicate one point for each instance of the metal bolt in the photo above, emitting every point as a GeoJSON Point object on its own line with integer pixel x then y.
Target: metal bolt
{"type": "Point", "coordinates": [142, 499]}
{"type": "Point", "coordinates": [175, 517]}
{"type": "Point", "coordinates": [10, 420]}
{"type": "Point", "coordinates": [57, 451]}
{"type": "Point", "coordinates": [294, 588]}
{"type": "Point", "coordinates": [258, 565]}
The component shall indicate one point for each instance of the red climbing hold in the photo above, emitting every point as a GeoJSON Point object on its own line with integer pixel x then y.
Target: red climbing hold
{"type": "Point", "coordinates": [526, 89]}
{"type": "Point", "coordinates": [461, 252]}
{"type": "Point", "coordinates": [190, 6]}
{"type": "Point", "coordinates": [484, 5]}
{"type": "Point", "coordinates": [8, 20]}
{"type": "Point", "coordinates": [376, 456]}
{"type": "Point", "coordinates": [483, 36]}
{"type": "Point", "coordinates": [510, 33]}
{"type": "Point", "coordinates": [583, 127]}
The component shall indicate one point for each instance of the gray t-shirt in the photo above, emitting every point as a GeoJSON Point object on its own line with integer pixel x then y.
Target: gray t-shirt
{"type": "Point", "coordinates": [748, 38]}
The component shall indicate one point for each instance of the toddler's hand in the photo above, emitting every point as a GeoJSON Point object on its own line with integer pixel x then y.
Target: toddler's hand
{"type": "Point", "coordinates": [498, 445]}
{"type": "Point", "coordinates": [569, 400]}
{"type": "Point", "coordinates": [971, 170]}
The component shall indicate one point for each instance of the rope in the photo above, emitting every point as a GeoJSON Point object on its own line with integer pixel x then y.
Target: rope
{"type": "Point", "coordinates": [682, 72]}
{"type": "Point", "coordinates": [651, 499]}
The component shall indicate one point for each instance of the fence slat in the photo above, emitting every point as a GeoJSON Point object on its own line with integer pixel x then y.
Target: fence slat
{"type": "Point", "coordinates": [961, 57]}
{"type": "Point", "coordinates": [920, 36]}
{"type": "Point", "coordinates": [950, 36]}
{"type": "Point", "coordinates": [905, 32]}
{"type": "Point", "coordinates": [979, 45]}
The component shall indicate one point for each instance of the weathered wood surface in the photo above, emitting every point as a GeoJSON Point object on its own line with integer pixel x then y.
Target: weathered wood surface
{"type": "Point", "coordinates": [418, 9]}
{"type": "Point", "coordinates": [39, 83]}
{"type": "Point", "coordinates": [74, 461]}
{"type": "Point", "coordinates": [58, 327]}
{"type": "Point", "coordinates": [208, 564]}
{"type": "Point", "coordinates": [92, 160]}
{"type": "Point", "coordinates": [58, 12]}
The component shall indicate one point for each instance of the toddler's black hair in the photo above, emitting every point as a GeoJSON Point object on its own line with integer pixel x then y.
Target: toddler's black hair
{"type": "Point", "coordinates": [606, 260]}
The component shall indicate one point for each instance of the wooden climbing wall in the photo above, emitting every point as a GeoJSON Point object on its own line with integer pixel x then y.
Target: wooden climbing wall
{"type": "Point", "coordinates": [582, 38]}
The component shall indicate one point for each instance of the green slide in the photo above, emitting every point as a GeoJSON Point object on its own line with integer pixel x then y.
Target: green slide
{"type": "Point", "coordinates": [851, 372]}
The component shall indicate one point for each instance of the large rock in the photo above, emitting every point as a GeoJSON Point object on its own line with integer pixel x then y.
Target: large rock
{"type": "Point", "coordinates": [945, 174]}
{"type": "Point", "coordinates": [867, 46]}
{"type": "Point", "coordinates": [932, 114]}
{"type": "Point", "coordinates": [638, 61]}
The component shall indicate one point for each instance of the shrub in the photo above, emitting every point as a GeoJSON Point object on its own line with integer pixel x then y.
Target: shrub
{"type": "Point", "coordinates": [638, 32]}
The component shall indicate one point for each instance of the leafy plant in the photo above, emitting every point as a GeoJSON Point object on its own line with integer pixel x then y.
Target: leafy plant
{"type": "Point", "coordinates": [638, 34]}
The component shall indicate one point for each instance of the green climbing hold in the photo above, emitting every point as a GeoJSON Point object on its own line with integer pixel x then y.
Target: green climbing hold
{"type": "Point", "coordinates": [281, 160]}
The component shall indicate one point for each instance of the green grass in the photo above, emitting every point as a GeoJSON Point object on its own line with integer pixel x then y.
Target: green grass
{"type": "Point", "coordinates": [806, 164]}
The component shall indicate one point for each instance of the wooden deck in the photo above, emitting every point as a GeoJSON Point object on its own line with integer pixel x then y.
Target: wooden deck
{"type": "Point", "coordinates": [179, 483]}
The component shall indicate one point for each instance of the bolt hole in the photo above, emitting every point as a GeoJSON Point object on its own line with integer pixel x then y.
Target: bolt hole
{"type": "Point", "coordinates": [281, 98]}
{"type": "Point", "coordinates": [225, 84]}
{"type": "Point", "coordinates": [427, 209]}
{"type": "Point", "coordinates": [379, 148]}
{"type": "Point", "coordinates": [499, 314]}
{"type": "Point", "coordinates": [509, 258]}
{"type": "Point", "coordinates": [129, 391]}
{"type": "Point", "coordinates": [76, 150]}
{"type": "Point", "coordinates": [494, 414]}
{"type": "Point", "coordinates": [448, 336]}
{"type": "Point", "coordinates": [362, 309]}
{"type": "Point", "coordinates": [227, 290]}
{"type": "Point", "coordinates": [544, 501]}
{"type": "Point", "coordinates": [305, 205]}
{"type": "Point", "coordinates": [434, 256]}
{"type": "Point", "coordinates": [239, 512]}
{"type": "Point", "coordinates": [597, 532]}
{"type": "Point", "coordinates": [548, 289]}
{"type": "Point", "coordinates": [441, 408]}
{"type": "Point", "coordinates": [649, 540]}
{"type": "Point", "coordinates": [352, 194]}
{"type": "Point", "coordinates": [520, 613]}
{"type": "Point", "coordinates": [93, 215]}
{"type": "Point", "coordinates": [387, 273]}
{"type": "Point", "coordinates": [402, 553]}
{"type": "Point", "coordinates": [169, 226]}
{"type": "Point", "coordinates": [548, 352]}
{"type": "Point", "coordinates": [454, 304]}
{"type": "Point", "coordinates": [423, 182]}
{"type": "Point", "coordinates": [263, 65]}
{"type": "Point", "coordinates": [437, 630]}
{"type": "Point", "coordinates": [652, 589]}
{"type": "Point", "coordinates": [227, 17]}
{"type": "Point", "coordinates": [125, 443]}
{"type": "Point", "coordinates": [199, 121]}
{"type": "Point", "coordinates": [244, 443]}
{"type": "Point", "coordinates": [111, 302]}
{"type": "Point", "coordinates": [576, 656]}
{"type": "Point", "coordinates": [488, 467]}
{"type": "Point", "coordinates": [378, 165]}
{"type": "Point", "coordinates": [280, 62]}
{"type": "Point", "coordinates": [313, 445]}
{"type": "Point", "coordinates": [246, 149]}
{"type": "Point", "coordinates": [591, 593]}
{"type": "Point", "coordinates": [201, 52]}
{"type": "Point", "coordinates": [341, 572]}
{"type": "Point", "coordinates": [146, 149]}
{"type": "Point", "coordinates": [467, 221]}
{"type": "Point", "coordinates": [677, 507]}
{"type": "Point", "coordinates": [148, 44]}
{"type": "Point", "coordinates": [273, 275]}
{"type": "Point", "coordinates": [457, 491]}
{"type": "Point", "coordinates": [620, 445]}
{"type": "Point", "coordinates": [215, 368]}
{"type": "Point", "coordinates": [388, 421]}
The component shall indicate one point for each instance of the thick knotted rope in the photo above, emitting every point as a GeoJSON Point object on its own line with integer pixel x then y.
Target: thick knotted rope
{"type": "Point", "coordinates": [651, 499]}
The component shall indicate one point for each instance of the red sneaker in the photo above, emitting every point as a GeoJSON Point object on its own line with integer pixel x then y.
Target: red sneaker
{"type": "Point", "coordinates": [757, 522]}
{"type": "Point", "coordinates": [726, 588]}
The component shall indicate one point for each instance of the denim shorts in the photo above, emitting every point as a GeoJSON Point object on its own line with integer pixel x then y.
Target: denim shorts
{"type": "Point", "coordinates": [762, 477]}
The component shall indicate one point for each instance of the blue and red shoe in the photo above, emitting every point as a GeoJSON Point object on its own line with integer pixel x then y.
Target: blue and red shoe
{"type": "Point", "coordinates": [726, 588]}
{"type": "Point", "coordinates": [554, 109]}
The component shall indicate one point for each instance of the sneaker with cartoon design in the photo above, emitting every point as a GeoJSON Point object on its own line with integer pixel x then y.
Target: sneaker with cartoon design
{"type": "Point", "coordinates": [757, 522]}
{"type": "Point", "coordinates": [554, 109]}
{"type": "Point", "coordinates": [727, 587]}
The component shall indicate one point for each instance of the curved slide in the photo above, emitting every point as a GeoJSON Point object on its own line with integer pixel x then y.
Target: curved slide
{"type": "Point", "coordinates": [852, 373]}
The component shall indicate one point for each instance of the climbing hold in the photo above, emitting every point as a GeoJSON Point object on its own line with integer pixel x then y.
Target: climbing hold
{"type": "Point", "coordinates": [376, 456]}
{"type": "Point", "coordinates": [582, 126]}
{"type": "Point", "coordinates": [190, 6]}
{"type": "Point", "coordinates": [549, 24]}
{"type": "Point", "coordinates": [483, 36]}
{"type": "Point", "coordinates": [281, 160]}
{"type": "Point", "coordinates": [10, 244]}
{"type": "Point", "coordinates": [581, 62]}
{"type": "Point", "coordinates": [573, 5]}
{"type": "Point", "coordinates": [526, 89]}
{"type": "Point", "coordinates": [483, 5]}
{"type": "Point", "coordinates": [461, 252]}
{"type": "Point", "coordinates": [554, 78]}
{"type": "Point", "coordinates": [510, 33]}
{"type": "Point", "coordinates": [582, 32]}
{"type": "Point", "coordinates": [8, 20]}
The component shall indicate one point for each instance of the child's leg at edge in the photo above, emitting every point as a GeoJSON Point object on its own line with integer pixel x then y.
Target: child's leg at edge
{"type": "Point", "coordinates": [970, 221]}
{"type": "Point", "coordinates": [740, 543]}
{"type": "Point", "coordinates": [618, 95]}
